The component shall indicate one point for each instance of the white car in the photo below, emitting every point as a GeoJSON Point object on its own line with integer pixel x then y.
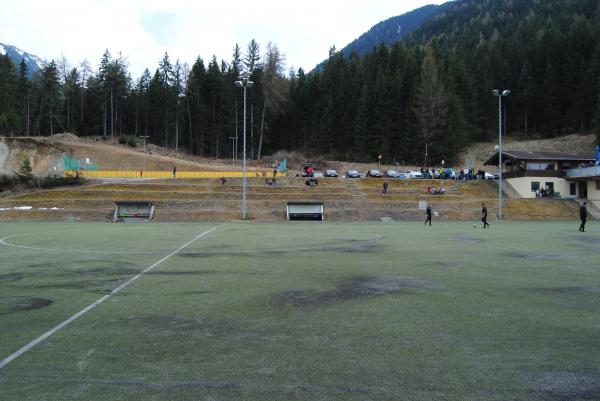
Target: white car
{"type": "Point", "coordinates": [316, 174]}
{"type": "Point", "coordinates": [488, 176]}
{"type": "Point", "coordinates": [392, 174]}
{"type": "Point", "coordinates": [413, 174]}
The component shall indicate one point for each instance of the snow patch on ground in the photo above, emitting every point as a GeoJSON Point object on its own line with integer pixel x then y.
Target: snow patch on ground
{"type": "Point", "coordinates": [29, 208]}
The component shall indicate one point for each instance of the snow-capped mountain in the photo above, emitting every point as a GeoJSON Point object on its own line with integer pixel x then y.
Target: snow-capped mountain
{"type": "Point", "coordinates": [33, 63]}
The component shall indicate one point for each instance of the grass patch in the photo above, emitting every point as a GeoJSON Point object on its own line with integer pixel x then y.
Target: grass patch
{"type": "Point", "coordinates": [258, 311]}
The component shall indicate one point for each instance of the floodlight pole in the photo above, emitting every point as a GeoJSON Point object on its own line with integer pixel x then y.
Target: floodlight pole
{"type": "Point", "coordinates": [233, 138]}
{"type": "Point", "coordinates": [244, 84]}
{"type": "Point", "coordinates": [144, 138]}
{"type": "Point", "coordinates": [500, 94]}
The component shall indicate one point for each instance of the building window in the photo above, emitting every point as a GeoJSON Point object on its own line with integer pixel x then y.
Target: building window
{"type": "Point", "coordinates": [573, 189]}
{"type": "Point", "coordinates": [535, 186]}
{"type": "Point", "coordinates": [540, 166]}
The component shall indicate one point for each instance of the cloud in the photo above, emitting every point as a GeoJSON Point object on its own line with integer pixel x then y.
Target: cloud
{"type": "Point", "coordinates": [144, 29]}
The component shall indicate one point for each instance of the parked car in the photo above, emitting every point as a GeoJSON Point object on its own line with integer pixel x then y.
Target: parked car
{"type": "Point", "coordinates": [317, 174]}
{"type": "Point", "coordinates": [392, 174]}
{"type": "Point", "coordinates": [352, 174]}
{"type": "Point", "coordinates": [488, 176]}
{"type": "Point", "coordinates": [374, 173]}
{"type": "Point", "coordinates": [413, 174]}
{"type": "Point", "coordinates": [331, 173]}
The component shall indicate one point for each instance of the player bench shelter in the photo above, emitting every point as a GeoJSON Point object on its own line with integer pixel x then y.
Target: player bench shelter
{"type": "Point", "coordinates": [305, 211]}
{"type": "Point", "coordinates": [133, 211]}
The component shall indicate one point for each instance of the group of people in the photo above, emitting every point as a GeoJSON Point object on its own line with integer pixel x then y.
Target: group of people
{"type": "Point", "coordinates": [434, 191]}
{"type": "Point", "coordinates": [547, 193]}
{"type": "Point", "coordinates": [451, 174]}
{"type": "Point", "coordinates": [484, 215]}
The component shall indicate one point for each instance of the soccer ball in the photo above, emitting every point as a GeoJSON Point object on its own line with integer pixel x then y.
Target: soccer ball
{"type": "Point", "coordinates": [474, 225]}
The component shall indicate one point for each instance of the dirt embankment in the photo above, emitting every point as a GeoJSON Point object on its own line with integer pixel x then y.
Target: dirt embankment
{"type": "Point", "coordinates": [44, 157]}
{"type": "Point", "coordinates": [45, 154]}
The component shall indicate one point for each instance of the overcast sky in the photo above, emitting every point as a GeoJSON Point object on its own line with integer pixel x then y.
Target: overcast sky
{"type": "Point", "coordinates": [144, 29]}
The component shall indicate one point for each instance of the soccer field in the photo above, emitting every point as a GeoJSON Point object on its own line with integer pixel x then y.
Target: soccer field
{"type": "Point", "coordinates": [307, 311]}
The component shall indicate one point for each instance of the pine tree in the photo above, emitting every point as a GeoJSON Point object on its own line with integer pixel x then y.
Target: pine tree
{"type": "Point", "coordinates": [25, 172]}
{"type": "Point", "coordinates": [274, 87]}
{"type": "Point", "coordinates": [431, 106]}
{"type": "Point", "coordinates": [9, 120]}
{"type": "Point", "coordinates": [50, 98]}
{"type": "Point", "coordinates": [166, 76]}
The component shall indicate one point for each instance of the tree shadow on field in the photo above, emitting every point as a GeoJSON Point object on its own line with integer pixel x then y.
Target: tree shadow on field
{"type": "Point", "coordinates": [162, 387]}
{"type": "Point", "coordinates": [533, 256]}
{"type": "Point", "coordinates": [11, 277]}
{"type": "Point", "coordinates": [359, 247]}
{"type": "Point", "coordinates": [568, 386]}
{"type": "Point", "coordinates": [353, 288]}
{"type": "Point", "coordinates": [466, 239]}
{"type": "Point", "coordinates": [202, 325]}
{"type": "Point", "coordinates": [22, 304]}
{"type": "Point", "coordinates": [565, 290]}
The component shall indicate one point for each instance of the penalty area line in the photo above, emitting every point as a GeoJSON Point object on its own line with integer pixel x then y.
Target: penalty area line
{"type": "Point", "coordinates": [88, 308]}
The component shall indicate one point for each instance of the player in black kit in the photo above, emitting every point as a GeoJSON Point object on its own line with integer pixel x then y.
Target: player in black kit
{"type": "Point", "coordinates": [428, 215]}
{"type": "Point", "coordinates": [484, 216]}
{"type": "Point", "coordinates": [583, 216]}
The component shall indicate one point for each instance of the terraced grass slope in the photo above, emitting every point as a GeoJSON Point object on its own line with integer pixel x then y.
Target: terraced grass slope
{"type": "Point", "coordinates": [350, 200]}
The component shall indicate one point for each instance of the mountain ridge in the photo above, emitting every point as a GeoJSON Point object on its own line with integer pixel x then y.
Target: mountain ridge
{"type": "Point", "coordinates": [33, 62]}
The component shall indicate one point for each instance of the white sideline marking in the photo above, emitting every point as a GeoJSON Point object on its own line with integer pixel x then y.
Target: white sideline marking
{"type": "Point", "coordinates": [88, 308]}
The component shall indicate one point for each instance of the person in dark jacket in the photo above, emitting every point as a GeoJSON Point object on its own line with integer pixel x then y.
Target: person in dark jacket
{"type": "Point", "coordinates": [583, 216]}
{"type": "Point", "coordinates": [428, 211]}
{"type": "Point", "coordinates": [484, 216]}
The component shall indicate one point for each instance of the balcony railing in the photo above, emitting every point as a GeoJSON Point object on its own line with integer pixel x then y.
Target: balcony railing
{"type": "Point", "coordinates": [533, 173]}
{"type": "Point", "coordinates": [583, 172]}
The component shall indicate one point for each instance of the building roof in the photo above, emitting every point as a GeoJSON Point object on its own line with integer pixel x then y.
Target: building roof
{"type": "Point", "coordinates": [541, 156]}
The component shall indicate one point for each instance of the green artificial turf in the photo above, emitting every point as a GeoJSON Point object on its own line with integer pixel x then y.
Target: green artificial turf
{"type": "Point", "coordinates": [304, 311]}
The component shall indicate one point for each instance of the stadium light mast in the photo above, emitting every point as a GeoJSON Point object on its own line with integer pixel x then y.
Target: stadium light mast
{"type": "Point", "coordinates": [233, 138]}
{"type": "Point", "coordinates": [144, 137]}
{"type": "Point", "coordinates": [244, 83]}
{"type": "Point", "coordinates": [500, 94]}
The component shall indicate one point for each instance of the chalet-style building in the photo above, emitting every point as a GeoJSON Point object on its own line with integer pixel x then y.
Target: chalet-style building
{"type": "Point", "coordinates": [572, 176]}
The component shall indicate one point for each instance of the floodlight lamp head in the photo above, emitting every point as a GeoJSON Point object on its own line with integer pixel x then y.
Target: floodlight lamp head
{"type": "Point", "coordinates": [496, 92]}
{"type": "Point", "coordinates": [239, 84]}
{"type": "Point", "coordinates": [249, 84]}
{"type": "Point", "coordinates": [506, 93]}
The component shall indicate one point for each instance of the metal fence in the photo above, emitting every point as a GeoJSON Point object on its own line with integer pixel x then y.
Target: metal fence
{"type": "Point", "coordinates": [164, 174]}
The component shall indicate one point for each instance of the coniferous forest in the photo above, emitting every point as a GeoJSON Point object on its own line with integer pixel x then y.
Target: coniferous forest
{"type": "Point", "coordinates": [433, 88]}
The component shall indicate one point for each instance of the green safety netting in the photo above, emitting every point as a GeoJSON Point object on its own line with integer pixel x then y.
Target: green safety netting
{"type": "Point", "coordinates": [73, 164]}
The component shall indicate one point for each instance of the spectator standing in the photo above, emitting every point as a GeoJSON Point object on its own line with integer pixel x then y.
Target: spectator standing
{"type": "Point", "coordinates": [583, 216]}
